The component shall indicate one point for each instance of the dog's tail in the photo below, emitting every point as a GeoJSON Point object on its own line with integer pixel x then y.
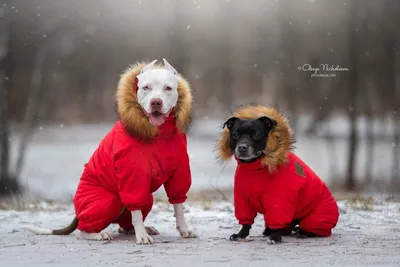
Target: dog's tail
{"type": "Point", "coordinates": [43, 231]}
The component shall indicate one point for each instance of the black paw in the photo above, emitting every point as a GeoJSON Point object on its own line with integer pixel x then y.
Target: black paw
{"type": "Point", "coordinates": [275, 236]}
{"type": "Point", "coordinates": [243, 233]}
{"type": "Point", "coordinates": [234, 237]}
{"type": "Point", "coordinates": [299, 233]}
{"type": "Point", "coordinates": [267, 232]}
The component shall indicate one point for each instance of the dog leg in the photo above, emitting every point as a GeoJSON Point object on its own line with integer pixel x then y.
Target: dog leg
{"type": "Point", "coordinates": [102, 236]}
{"type": "Point", "coordinates": [243, 233]}
{"type": "Point", "coordinates": [267, 231]}
{"type": "Point", "coordinates": [181, 223]}
{"type": "Point", "coordinates": [142, 237]}
{"type": "Point", "coordinates": [275, 236]}
{"type": "Point", "coordinates": [149, 229]}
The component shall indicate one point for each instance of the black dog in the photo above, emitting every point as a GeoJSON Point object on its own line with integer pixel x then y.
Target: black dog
{"type": "Point", "coordinates": [248, 139]}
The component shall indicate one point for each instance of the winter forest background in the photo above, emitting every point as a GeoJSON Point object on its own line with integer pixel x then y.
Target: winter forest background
{"type": "Point", "coordinates": [60, 62]}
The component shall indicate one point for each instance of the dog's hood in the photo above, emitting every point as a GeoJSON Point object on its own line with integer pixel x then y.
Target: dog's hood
{"type": "Point", "coordinates": [132, 114]}
{"type": "Point", "coordinates": [280, 139]}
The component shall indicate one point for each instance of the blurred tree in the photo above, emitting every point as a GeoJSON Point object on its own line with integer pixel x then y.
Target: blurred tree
{"type": "Point", "coordinates": [8, 182]}
{"type": "Point", "coordinates": [226, 66]}
{"type": "Point", "coordinates": [353, 90]}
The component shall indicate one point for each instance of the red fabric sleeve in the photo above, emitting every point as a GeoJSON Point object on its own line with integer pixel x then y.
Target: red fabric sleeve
{"type": "Point", "coordinates": [244, 212]}
{"type": "Point", "coordinates": [133, 180]}
{"type": "Point", "coordinates": [180, 181]}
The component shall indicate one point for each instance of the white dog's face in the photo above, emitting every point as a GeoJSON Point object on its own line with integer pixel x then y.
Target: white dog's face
{"type": "Point", "coordinates": [157, 91]}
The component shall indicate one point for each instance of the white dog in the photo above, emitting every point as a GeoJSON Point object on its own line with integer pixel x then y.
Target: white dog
{"type": "Point", "coordinates": [145, 149]}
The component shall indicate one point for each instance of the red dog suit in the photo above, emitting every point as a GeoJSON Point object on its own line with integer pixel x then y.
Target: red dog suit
{"type": "Point", "coordinates": [293, 192]}
{"type": "Point", "coordinates": [124, 172]}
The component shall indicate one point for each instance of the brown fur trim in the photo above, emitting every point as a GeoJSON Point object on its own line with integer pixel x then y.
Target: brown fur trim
{"type": "Point", "coordinates": [280, 139]}
{"type": "Point", "coordinates": [132, 114]}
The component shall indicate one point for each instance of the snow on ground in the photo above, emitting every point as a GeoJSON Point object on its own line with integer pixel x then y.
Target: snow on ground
{"type": "Point", "coordinates": [362, 238]}
{"type": "Point", "coordinates": [57, 154]}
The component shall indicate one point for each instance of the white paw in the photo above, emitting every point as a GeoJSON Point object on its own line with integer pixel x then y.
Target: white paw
{"type": "Point", "coordinates": [142, 237]}
{"type": "Point", "coordinates": [151, 230]}
{"type": "Point", "coordinates": [104, 236]}
{"type": "Point", "coordinates": [186, 233]}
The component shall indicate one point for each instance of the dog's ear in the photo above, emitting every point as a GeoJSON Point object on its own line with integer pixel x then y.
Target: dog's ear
{"type": "Point", "coordinates": [169, 67]}
{"type": "Point", "coordinates": [271, 123]}
{"type": "Point", "coordinates": [230, 122]}
{"type": "Point", "coordinates": [148, 66]}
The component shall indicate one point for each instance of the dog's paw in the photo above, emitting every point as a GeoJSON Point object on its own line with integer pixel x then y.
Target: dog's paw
{"type": "Point", "coordinates": [151, 230]}
{"type": "Point", "coordinates": [236, 237]}
{"type": "Point", "coordinates": [142, 237]}
{"type": "Point", "coordinates": [300, 233]}
{"type": "Point", "coordinates": [272, 242]}
{"type": "Point", "coordinates": [301, 236]}
{"type": "Point", "coordinates": [104, 236]}
{"type": "Point", "coordinates": [126, 232]}
{"type": "Point", "coordinates": [186, 233]}
{"type": "Point", "coordinates": [267, 232]}
{"type": "Point", "coordinates": [274, 239]}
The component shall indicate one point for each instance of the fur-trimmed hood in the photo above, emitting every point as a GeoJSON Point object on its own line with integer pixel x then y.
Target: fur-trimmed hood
{"type": "Point", "coordinates": [280, 139]}
{"type": "Point", "coordinates": [132, 114]}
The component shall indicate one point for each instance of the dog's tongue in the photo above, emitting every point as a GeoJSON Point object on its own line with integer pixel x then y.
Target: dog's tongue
{"type": "Point", "coordinates": [156, 118]}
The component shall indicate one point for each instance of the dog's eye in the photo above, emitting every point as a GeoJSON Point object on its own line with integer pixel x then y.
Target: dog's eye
{"type": "Point", "coordinates": [146, 88]}
{"type": "Point", "coordinates": [168, 88]}
{"type": "Point", "coordinates": [257, 135]}
{"type": "Point", "coordinates": [235, 135]}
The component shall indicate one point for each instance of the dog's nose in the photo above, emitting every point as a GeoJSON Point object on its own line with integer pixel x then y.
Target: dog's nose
{"type": "Point", "coordinates": [242, 147]}
{"type": "Point", "coordinates": [156, 103]}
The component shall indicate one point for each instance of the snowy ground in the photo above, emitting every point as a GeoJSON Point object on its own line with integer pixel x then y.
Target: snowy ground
{"type": "Point", "coordinates": [367, 235]}
{"type": "Point", "coordinates": [57, 154]}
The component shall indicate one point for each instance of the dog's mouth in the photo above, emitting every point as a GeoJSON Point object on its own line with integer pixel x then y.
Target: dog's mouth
{"type": "Point", "coordinates": [157, 118]}
{"type": "Point", "coordinates": [248, 157]}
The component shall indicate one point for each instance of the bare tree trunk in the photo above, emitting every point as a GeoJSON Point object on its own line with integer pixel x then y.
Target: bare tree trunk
{"type": "Point", "coordinates": [4, 116]}
{"type": "Point", "coordinates": [258, 70]}
{"type": "Point", "coordinates": [8, 182]}
{"type": "Point", "coordinates": [352, 149]}
{"type": "Point", "coordinates": [396, 150]}
{"type": "Point", "coordinates": [32, 110]}
{"type": "Point", "coordinates": [225, 63]}
{"type": "Point", "coordinates": [353, 90]}
{"type": "Point", "coordinates": [370, 148]}
{"type": "Point", "coordinates": [393, 89]}
{"type": "Point", "coordinates": [288, 39]}
{"type": "Point", "coordinates": [178, 46]}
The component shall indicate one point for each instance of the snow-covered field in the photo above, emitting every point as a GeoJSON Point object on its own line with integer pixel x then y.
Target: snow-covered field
{"type": "Point", "coordinates": [57, 154]}
{"type": "Point", "coordinates": [362, 238]}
